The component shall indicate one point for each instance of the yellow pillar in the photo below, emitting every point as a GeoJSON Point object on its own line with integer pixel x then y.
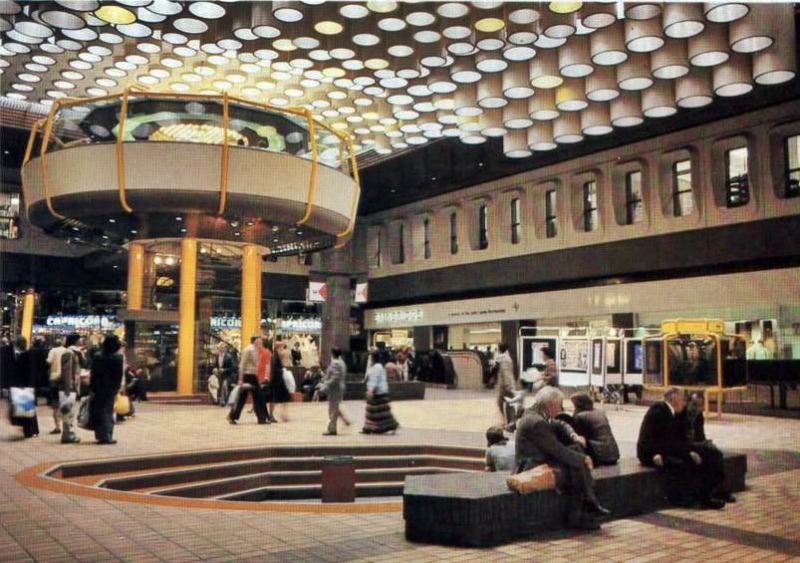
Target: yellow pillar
{"type": "Point", "coordinates": [251, 292]}
{"type": "Point", "coordinates": [135, 276]}
{"type": "Point", "coordinates": [186, 312]}
{"type": "Point", "coordinates": [28, 302]}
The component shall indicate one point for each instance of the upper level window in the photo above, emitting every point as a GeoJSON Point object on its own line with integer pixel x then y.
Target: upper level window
{"type": "Point", "coordinates": [590, 206]}
{"type": "Point", "coordinates": [379, 249]}
{"type": "Point", "coordinates": [426, 238]}
{"type": "Point", "coordinates": [483, 227]}
{"type": "Point", "coordinates": [682, 195]}
{"type": "Point", "coordinates": [401, 244]}
{"type": "Point", "coordinates": [737, 185]}
{"type": "Point", "coordinates": [634, 207]}
{"type": "Point", "coordinates": [550, 217]}
{"type": "Point", "coordinates": [453, 233]}
{"type": "Point", "coordinates": [516, 226]}
{"type": "Point", "coordinates": [793, 166]}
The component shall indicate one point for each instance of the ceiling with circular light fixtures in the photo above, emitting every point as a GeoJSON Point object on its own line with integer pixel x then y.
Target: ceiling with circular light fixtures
{"type": "Point", "coordinates": [400, 74]}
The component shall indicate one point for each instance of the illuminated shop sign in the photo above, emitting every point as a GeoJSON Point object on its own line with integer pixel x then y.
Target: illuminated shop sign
{"type": "Point", "coordinates": [313, 324]}
{"type": "Point", "coordinates": [100, 322]}
{"type": "Point", "coordinates": [398, 317]}
{"type": "Point", "coordinates": [226, 322]}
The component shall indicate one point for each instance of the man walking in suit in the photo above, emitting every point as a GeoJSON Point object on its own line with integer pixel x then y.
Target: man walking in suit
{"type": "Point", "coordinates": [334, 385]}
{"type": "Point", "coordinates": [664, 444]}
{"type": "Point", "coordinates": [537, 444]}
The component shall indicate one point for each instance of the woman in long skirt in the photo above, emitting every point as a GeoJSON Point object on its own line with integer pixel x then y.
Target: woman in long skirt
{"type": "Point", "coordinates": [279, 395]}
{"type": "Point", "coordinates": [24, 375]}
{"type": "Point", "coordinates": [379, 418]}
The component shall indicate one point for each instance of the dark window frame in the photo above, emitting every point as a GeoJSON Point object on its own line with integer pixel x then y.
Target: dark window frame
{"type": "Point", "coordinates": [590, 212]}
{"type": "Point", "coordinates": [551, 213]}
{"type": "Point", "coordinates": [453, 233]}
{"type": "Point", "coordinates": [401, 245]}
{"type": "Point", "coordinates": [677, 192]}
{"type": "Point", "coordinates": [789, 190]}
{"type": "Point", "coordinates": [483, 227]}
{"type": "Point", "coordinates": [741, 183]}
{"type": "Point", "coordinates": [379, 250]}
{"type": "Point", "coordinates": [426, 238]}
{"type": "Point", "coordinates": [632, 200]}
{"type": "Point", "coordinates": [516, 221]}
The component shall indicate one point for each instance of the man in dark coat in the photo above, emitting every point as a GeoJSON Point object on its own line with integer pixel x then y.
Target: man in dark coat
{"type": "Point", "coordinates": [22, 375]}
{"type": "Point", "coordinates": [593, 425]}
{"type": "Point", "coordinates": [711, 454]}
{"type": "Point", "coordinates": [537, 444]}
{"type": "Point", "coordinates": [663, 444]}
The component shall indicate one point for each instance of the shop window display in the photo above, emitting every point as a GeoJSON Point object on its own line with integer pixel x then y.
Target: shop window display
{"type": "Point", "coordinates": [737, 183]}
{"type": "Point", "coordinates": [9, 216]}
{"type": "Point", "coordinates": [793, 166]}
{"type": "Point", "coordinates": [682, 194]}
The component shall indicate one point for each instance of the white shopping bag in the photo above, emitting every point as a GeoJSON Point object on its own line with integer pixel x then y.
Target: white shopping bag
{"type": "Point", "coordinates": [23, 402]}
{"type": "Point", "coordinates": [66, 401]}
{"type": "Point", "coordinates": [234, 396]}
{"type": "Point", "coordinates": [288, 379]}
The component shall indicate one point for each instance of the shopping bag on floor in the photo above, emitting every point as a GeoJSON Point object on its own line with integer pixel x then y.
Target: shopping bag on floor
{"type": "Point", "coordinates": [539, 478]}
{"type": "Point", "coordinates": [288, 378]}
{"type": "Point", "coordinates": [84, 418]}
{"type": "Point", "coordinates": [122, 405]}
{"type": "Point", "coordinates": [66, 401]}
{"type": "Point", "coordinates": [23, 402]}
{"type": "Point", "coordinates": [234, 395]}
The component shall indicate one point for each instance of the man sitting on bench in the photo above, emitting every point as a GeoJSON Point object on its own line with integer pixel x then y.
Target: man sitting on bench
{"type": "Point", "coordinates": [664, 444]}
{"type": "Point", "coordinates": [537, 444]}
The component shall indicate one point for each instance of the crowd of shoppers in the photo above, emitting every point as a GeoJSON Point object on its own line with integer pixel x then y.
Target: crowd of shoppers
{"type": "Point", "coordinates": [57, 375]}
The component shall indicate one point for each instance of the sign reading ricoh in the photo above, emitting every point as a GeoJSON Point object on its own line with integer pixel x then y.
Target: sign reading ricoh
{"type": "Point", "coordinates": [398, 317]}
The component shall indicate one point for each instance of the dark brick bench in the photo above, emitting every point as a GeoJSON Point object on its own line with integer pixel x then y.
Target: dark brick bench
{"type": "Point", "coordinates": [479, 510]}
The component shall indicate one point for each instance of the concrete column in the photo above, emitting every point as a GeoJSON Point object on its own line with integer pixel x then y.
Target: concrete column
{"type": "Point", "coordinates": [136, 265]}
{"type": "Point", "coordinates": [186, 310]}
{"type": "Point", "coordinates": [251, 293]}
{"type": "Point", "coordinates": [336, 309]}
{"type": "Point", "coordinates": [28, 305]}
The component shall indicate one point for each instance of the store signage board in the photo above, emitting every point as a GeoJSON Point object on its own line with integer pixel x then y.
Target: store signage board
{"type": "Point", "coordinates": [313, 324]}
{"type": "Point", "coordinates": [401, 317]}
{"type": "Point", "coordinates": [317, 292]}
{"type": "Point", "coordinates": [76, 322]}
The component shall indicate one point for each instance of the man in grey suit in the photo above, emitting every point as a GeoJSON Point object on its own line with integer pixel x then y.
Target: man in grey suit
{"type": "Point", "coordinates": [334, 385]}
{"type": "Point", "coordinates": [537, 444]}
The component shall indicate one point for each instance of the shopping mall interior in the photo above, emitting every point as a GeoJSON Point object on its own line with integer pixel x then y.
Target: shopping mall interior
{"type": "Point", "coordinates": [456, 223]}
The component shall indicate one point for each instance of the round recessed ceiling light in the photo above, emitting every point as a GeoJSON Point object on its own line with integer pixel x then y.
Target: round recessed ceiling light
{"type": "Point", "coordinates": [80, 65]}
{"type": "Point", "coordinates": [111, 38]}
{"type": "Point", "coordinates": [95, 91]}
{"type": "Point", "coordinates": [354, 11]}
{"type": "Point", "coordinates": [190, 25]}
{"type": "Point", "coordinates": [328, 27]}
{"type": "Point", "coordinates": [207, 10]}
{"type": "Point", "coordinates": [33, 67]}
{"type": "Point", "coordinates": [115, 14]}
{"type": "Point", "coordinates": [288, 15]}
{"type": "Point", "coordinates": [62, 19]}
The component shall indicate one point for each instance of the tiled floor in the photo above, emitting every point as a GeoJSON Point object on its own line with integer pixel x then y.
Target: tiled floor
{"type": "Point", "coordinates": [43, 526]}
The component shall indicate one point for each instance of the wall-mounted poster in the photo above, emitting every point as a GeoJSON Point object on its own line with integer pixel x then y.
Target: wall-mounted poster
{"type": "Point", "coordinates": [597, 356]}
{"type": "Point", "coordinates": [653, 366]}
{"type": "Point", "coordinates": [532, 348]}
{"type": "Point", "coordinates": [574, 355]}
{"type": "Point", "coordinates": [613, 362]}
{"type": "Point", "coordinates": [634, 362]}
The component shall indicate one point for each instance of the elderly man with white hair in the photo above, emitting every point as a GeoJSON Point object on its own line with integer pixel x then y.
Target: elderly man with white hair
{"type": "Point", "coordinates": [537, 444]}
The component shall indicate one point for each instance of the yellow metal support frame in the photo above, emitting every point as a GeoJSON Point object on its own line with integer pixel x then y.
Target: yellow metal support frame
{"type": "Point", "coordinates": [186, 315]}
{"type": "Point", "coordinates": [28, 302]}
{"type": "Point", "coordinates": [251, 293]}
{"type": "Point", "coordinates": [136, 264]}
{"type": "Point", "coordinates": [348, 163]}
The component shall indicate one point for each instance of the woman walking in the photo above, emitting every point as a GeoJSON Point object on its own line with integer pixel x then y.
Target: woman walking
{"type": "Point", "coordinates": [104, 385]}
{"type": "Point", "coordinates": [24, 374]}
{"type": "Point", "coordinates": [379, 418]}
{"type": "Point", "coordinates": [278, 392]}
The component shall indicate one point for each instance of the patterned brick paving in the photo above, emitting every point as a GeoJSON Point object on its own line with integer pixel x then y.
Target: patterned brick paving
{"type": "Point", "coordinates": [37, 525]}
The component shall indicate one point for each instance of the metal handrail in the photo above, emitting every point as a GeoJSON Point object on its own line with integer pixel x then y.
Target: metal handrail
{"type": "Point", "coordinates": [347, 162]}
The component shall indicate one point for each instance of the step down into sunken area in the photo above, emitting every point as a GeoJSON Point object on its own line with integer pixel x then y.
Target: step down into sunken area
{"type": "Point", "coordinates": [280, 473]}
